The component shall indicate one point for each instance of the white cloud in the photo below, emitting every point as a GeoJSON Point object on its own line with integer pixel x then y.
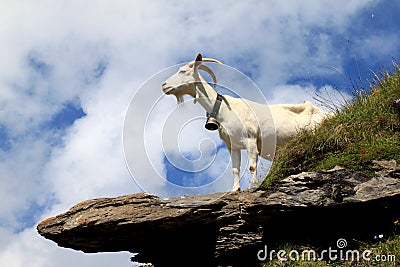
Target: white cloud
{"type": "Point", "coordinates": [28, 248]}
{"type": "Point", "coordinates": [21, 184]}
{"type": "Point", "coordinates": [55, 52]}
{"type": "Point", "coordinates": [376, 45]}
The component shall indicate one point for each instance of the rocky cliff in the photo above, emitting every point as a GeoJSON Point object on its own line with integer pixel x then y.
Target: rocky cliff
{"type": "Point", "coordinates": [230, 228]}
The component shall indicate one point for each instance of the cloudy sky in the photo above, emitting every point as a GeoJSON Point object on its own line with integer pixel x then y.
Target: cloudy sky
{"type": "Point", "coordinates": [70, 71]}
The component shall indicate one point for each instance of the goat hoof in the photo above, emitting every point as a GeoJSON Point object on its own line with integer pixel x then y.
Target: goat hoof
{"type": "Point", "coordinates": [236, 189]}
{"type": "Point", "coordinates": [253, 189]}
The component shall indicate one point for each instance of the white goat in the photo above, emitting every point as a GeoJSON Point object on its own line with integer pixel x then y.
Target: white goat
{"type": "Point", "coordinates": [243, 124]}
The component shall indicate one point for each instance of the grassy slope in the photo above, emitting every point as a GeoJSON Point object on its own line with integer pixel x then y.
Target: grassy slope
{"type": "Point", "coordinates": [366, 128]}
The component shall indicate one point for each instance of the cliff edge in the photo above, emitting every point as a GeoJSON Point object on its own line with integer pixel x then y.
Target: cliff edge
{"type": "Point", "coordinates": [230, 228]}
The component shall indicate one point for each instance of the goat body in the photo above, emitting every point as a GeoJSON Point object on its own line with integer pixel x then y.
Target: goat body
{"type": "Point", "coordinates": [244, 124]}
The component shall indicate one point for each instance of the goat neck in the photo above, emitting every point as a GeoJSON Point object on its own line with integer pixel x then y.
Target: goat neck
{"type": "Point", "coordinates": [205, 95]}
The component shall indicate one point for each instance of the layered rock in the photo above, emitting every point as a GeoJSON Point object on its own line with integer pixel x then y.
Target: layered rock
{"type": "Point", "coordinates": [230, 228]}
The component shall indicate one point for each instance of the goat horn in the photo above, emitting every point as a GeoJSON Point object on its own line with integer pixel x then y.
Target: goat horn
{"type": "Point", "coordinates": [211, 60]}
{"type": "Point", "coordinates": [209, 71]}
{"type": "Point", "coordinates": [206, 60]}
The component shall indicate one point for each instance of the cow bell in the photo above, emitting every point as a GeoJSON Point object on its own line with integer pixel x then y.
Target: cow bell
{"type": "Point", "coordinates": [211, 124]}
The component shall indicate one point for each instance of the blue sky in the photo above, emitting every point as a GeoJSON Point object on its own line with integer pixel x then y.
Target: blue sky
{"type": "Point", "coordinates": [70, 69]}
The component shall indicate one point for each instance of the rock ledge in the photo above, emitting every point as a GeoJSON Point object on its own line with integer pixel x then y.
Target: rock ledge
{"type": "Point", "coordinates": [230, 228]}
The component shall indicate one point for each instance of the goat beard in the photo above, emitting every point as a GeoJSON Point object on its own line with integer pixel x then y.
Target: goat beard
{"type": "Point", "coordinates": [179, 100]}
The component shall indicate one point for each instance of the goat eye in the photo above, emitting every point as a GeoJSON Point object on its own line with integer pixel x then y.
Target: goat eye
{"type": "Point", "coordinates": [182, 71]}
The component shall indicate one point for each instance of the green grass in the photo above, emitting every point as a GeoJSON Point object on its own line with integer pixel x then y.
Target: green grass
{"type": "Point", "coordinates": [361, 130]}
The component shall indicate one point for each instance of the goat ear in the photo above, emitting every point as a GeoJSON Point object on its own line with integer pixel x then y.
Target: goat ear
{"type": "Point", "coordinates": [199, 57]}
{"type": "Point", "coordinates": [198, 60]}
